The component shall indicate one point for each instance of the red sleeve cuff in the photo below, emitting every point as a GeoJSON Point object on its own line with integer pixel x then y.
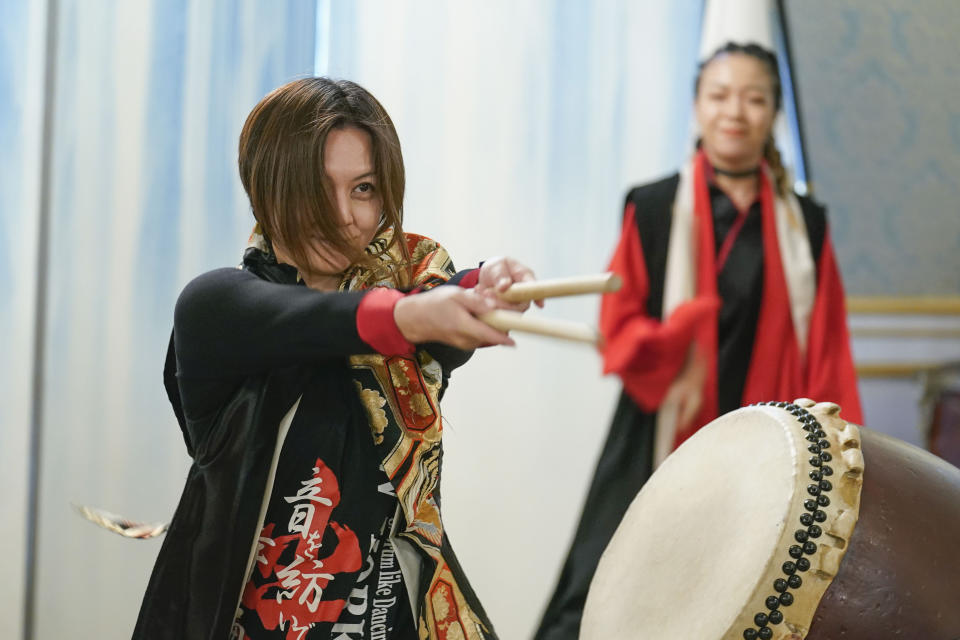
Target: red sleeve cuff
{"type": "Point", "coordinates": [470, 280]}
{"type": "Point", "coordinates": [376, 325]}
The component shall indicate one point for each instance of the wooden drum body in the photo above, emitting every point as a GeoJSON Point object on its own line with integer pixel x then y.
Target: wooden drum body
{"type": "Point", "coordinates": [782, 521]}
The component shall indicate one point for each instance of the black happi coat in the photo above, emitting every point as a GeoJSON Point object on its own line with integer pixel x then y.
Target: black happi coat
{"type": "Point", "coordinates": [230, 425]}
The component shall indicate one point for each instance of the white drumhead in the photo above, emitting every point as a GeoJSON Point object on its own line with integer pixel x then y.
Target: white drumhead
{"type": "Point", "coordinates": [699, 537]}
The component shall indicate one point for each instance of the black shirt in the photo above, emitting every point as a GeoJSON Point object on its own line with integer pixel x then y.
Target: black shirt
{"type": "Point", "coordinates": [740, 287]}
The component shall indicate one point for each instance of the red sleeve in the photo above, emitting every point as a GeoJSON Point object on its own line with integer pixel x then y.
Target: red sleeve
{"type": "Point", "coordinates": [645, 353]}
{"type": "Point", "coordinates": [469, 279]}
{"type": "Point", "coordinates": [375, 322]}
{"type": "Point", "coordinates": [830, 371]}
{"type": "Point", "coordinates": [377, 326]}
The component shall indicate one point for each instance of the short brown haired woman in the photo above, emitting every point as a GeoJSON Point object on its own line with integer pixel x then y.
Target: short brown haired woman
{"type": "Point", "coordinates": [307, 386]}
{"type": "Point", "coordinates": [731, 296]}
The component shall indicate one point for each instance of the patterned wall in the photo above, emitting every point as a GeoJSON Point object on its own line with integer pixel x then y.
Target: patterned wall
{"type": "Point", "coordinates": [879, 86]}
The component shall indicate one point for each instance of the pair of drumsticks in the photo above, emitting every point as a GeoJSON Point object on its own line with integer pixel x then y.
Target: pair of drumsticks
{"type": "Point", "coordinates": [541, 289]}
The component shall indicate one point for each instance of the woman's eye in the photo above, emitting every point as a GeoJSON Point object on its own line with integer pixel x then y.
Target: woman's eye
{"type": "Point", "coordinates": [364, 187]}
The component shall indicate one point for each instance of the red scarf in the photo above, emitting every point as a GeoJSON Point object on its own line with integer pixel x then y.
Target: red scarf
{"type": "Point", "coordinates": [648, 353]}
{"type": "Point", "coordinates": [778, 370]}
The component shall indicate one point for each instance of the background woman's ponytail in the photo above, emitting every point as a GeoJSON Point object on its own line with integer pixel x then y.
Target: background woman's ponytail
{"type": "Point", "coordinates": [772, 155]}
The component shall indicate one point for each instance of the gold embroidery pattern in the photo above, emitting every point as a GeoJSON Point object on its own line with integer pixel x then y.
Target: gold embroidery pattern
{"type": "Point", "coordinates": [401, 399]}
{"type": "Point", "coordinates": [373, 402]}
{"type": "Point", "coordinates": [448, 611]}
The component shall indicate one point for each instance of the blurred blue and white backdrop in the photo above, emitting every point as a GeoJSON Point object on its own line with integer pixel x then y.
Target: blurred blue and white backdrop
{"type": "Point", "coordinates": [145, 105]}
{"type": "Point", "coordinates": [522, 124]}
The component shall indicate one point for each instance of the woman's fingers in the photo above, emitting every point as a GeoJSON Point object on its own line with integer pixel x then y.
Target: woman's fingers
{"type": "Point", "coordinates": [480, 334]}
{"type": "Point", "coordinates": [448, 315]}
{"type": "Point", "coordinates": [689, 407]}
{"type": "Point", "coordinates": [516, 272]}
{"type": "Point", "coordinates": [499, 273]}
{"type": "Point", "coordinates": [494, 295]}
{"type": "Point", "coordinates": [476, 302]}
{"type": "Point", "coordinates": [520, 272]}
{"type": "Point", "coordinates": [496, 276]}
{"type": "Point", "coordinates": [474, 329]}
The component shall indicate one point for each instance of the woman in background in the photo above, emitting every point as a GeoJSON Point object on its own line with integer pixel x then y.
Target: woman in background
{"type": "Point", "coordinates": [307, 386]}
{"type": "Point", "coordinates": [731, 296]}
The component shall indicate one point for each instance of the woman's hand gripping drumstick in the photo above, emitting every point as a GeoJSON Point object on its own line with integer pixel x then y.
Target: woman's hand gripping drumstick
{"type": "Point", "coordinates": [495, 306]}
{"type": "Point", "coordinates": [521, 292]}
{"type": "Point", "coordinates": [500, 275]}
{"type": "Point", "coordinates": [455, 316]}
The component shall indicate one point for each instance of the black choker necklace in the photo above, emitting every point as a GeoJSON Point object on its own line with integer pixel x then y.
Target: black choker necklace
{"type": "Point", "coordinates": [736, 174]}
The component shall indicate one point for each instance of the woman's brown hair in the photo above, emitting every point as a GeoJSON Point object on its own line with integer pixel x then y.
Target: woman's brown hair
{"type": "Point", "coordinates": [282, 165]}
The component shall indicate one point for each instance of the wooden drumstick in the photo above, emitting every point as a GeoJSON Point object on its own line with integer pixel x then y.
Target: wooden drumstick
{"type": "Point", "coordinates": [539, 289]}
{"type": "Point", "coordinates": [563, 329]}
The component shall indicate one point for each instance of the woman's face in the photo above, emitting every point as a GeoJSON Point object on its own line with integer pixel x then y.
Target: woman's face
{"type": "Point", "coordinates": [352, 183]}
{"type": "Point", "coordinates": [735, 110]}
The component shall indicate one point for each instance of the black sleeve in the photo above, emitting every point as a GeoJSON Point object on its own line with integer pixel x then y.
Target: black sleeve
{"type": "Point", "coordinates": [229, 322]}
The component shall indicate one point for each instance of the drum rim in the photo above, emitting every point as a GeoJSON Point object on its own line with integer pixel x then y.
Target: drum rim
{"type": "Point", "coordinates": [813, 538]}
{"type": "Point", "coordinates": [830, 512]}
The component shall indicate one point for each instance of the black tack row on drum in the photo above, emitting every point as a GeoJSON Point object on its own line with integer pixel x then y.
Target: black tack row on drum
{"type": "Point", "coordinates": [798, 552]}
